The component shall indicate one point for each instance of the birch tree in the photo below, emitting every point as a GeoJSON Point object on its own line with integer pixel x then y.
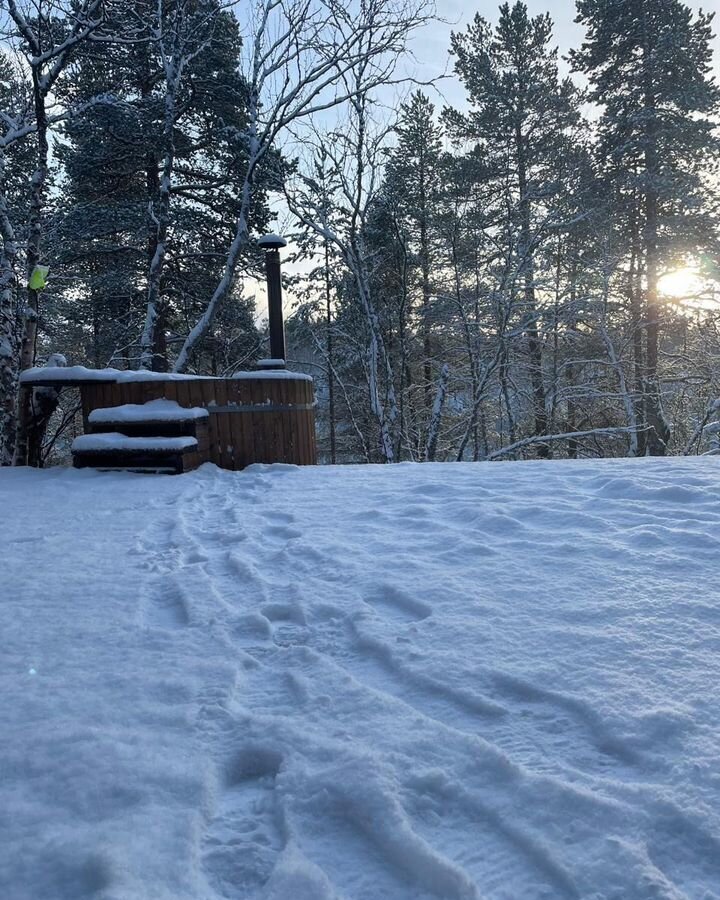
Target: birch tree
{"type": "Point", "coordinates": [16, 121]}
{"type": "Point", "coordinates": [302, 59]}
{"type": "Point", "coordinates": [46, 36]}
{"type": "Point", "coordinates": [180, 32]}
{"type": "Point", "coordinates": [354, 153]}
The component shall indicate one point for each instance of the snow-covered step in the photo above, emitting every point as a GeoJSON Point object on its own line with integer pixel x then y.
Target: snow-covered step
{"type": "Point", "coordinates": [152, 411]}
{"type": "Point", "coordinates": [112, 440]}
{"type": "Point", "coordinates": [113, 450]}
{"type": "Point", "coordinates": [165, 418]}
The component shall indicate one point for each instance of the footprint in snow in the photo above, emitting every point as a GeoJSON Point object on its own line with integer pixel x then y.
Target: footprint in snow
{"type": "Point", "coordinates": [377, 664]}
{"type": "Point", "coordinates": [166, 607]}
{"type": "Point", "coordinates": [572, 729]}
{"type": "Point", "coordinates": [288, 623]}
{"type": "Point", "coordinates": [222, 537]}
{"type": "Point", "coordinates": [498, 854]}
{"type": "Point", "coordinates": [281, 533]}
{"type": "Point", "coordinates": [398, 605]}
{"type": "Point", "coordinates": [279, 518]}
{"type": "Point", "coordinates": [245, 836]}
{"type": "Point", "coordinates": [356, 831]}
{"type": "Point", "coordinates": [280, 623]}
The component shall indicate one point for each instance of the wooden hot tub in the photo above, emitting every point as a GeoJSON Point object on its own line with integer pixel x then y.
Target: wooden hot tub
{"type": "Point", "coordinates": [255, 417]}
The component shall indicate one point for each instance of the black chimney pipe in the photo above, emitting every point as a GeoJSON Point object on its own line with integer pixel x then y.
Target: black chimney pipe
{"type": "Point", "coordinates": [272, 243]}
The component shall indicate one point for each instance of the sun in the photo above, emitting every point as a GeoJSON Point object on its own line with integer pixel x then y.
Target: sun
{"type": "Point", "coordinates": [682, 284]}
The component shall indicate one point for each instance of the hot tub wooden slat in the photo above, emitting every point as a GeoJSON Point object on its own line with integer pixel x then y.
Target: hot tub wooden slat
{"type": "Point", "coordinates": [275, 421]}
{"type": "Point", "coordinates": [300, 428]}
{"type": "Point", "coordinates": [241, 426]}
{"type": "Point", "coordinates": [304, 431]}
{"type": "Point", "coordinates": [283, 426]}
{"type": "Point", "coordinates": [302, 415]}
{"type": "Point", "coordinates": [182, 394]}
{"type": "Point", "coordinates": [226, 449]}
{"type": "Point", "coordinates": [205, 399]}
{"type": "Point", "coordinates": [257, 428]}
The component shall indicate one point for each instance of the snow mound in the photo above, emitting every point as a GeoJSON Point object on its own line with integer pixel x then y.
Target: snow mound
{"type": "Point", "coordinates": [81, 374]}
{"type": "Point", "coordinates": [408, 682]}
{"type": "Point", "coordinates": [152, 411]}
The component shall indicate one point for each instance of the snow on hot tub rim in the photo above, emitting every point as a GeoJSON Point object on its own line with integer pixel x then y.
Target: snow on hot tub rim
{"type": "Point", "coordinates": [45, 375]}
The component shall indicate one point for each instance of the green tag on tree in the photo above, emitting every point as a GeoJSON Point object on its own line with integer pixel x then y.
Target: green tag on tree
{"type": "Point", "coordinates": [38, 278]}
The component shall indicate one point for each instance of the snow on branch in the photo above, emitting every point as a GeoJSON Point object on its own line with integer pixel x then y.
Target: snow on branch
{"type": "Point", "coordinates": [569, 435]}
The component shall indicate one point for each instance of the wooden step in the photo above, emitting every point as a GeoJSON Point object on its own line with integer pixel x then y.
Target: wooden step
{"type": "Point", "coordinates": [115, 451]}
{"type": "Point", "coordinates": [162, 418]}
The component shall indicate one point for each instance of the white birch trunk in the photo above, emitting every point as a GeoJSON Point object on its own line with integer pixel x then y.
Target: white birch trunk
{"type": "Point", "coordinates": [161, 219]}
{"type": "Point", "coordinates": [30, 312]}
{"type": "Point", "coordinates": [8, 328]}
{"type": "Point", "coordinates": [45, 64]}
{"type": "Point", "coordinates": [256, 151]}
{"type": "Point", "coordinates": [627, 399]}
{"type": "Point", "coordinates": [385, 413]}
{"type": "Point", "coordinates": [224, 286]}
{"type": "Point", "coordinates": [436, 414]}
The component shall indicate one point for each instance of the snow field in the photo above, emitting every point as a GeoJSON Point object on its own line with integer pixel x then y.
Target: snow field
{"type": "Point", "coordinates": [437, 681]}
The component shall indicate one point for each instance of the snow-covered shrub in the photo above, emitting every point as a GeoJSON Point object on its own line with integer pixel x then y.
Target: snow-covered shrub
{"type": "Point", "coordinates": [713, 431]}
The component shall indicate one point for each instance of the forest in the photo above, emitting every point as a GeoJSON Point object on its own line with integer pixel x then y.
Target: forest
{"type": "Point", "coordinates": [532, 273]}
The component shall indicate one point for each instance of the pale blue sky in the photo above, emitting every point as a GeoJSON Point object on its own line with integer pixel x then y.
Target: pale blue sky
{"type": "Point", "coordinates": [431, 45]}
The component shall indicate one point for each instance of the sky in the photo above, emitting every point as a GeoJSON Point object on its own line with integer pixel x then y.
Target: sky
{"type": "Point", "coordinates": [431, 44]}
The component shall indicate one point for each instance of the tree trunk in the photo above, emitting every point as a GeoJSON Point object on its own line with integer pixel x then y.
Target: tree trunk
{"type": "Point", "coordinates": [30, 318]}
{"type": "Point", "coordinates": [659, 433]}
{"type": "Point", "coordinates": [329, 354]}
{"type": "Point", "coordinates": [637, 321]}
{"type": "Point", "coordinates": [238, 244]}
{"type": "Point", "coordinates": [8, 328]}
{"type": "Point", "coordinates": [436, 416]}
{"type": "Point", "coordinates": [153, 347]}
{"type": "Point", "coordinates": [425, 267]}
{"type": "Point", "coordinates": [405, 378]}
{"type": "Point", "coordinates": [527, 268]}
{"type": "Point", "coordinates": [572, 371]}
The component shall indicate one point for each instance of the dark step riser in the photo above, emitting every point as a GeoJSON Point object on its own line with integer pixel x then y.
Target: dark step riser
{"type": "Point", "coordinates": [145, 429]}
{"type": "Point", "coordinates": [125, 460]}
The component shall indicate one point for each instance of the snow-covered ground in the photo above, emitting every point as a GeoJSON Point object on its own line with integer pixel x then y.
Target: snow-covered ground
{"type": "Point", "coordinates": [407, 682]}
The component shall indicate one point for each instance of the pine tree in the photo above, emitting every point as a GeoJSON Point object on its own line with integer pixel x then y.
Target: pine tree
{"type": "Point", "coordinates": [412, 186]}
{"type": "Point", "coordinates": [649, 67]}
{"type": "Point", "coordinates": [521, 115]}
{"type": "Point", "coordinates": [126, 192]}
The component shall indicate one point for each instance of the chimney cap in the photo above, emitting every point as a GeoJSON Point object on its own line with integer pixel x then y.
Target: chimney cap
{"type": "Point", "coordinates": [270, 364]}
{"type": "Point", "coordinates": [272, 242]}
